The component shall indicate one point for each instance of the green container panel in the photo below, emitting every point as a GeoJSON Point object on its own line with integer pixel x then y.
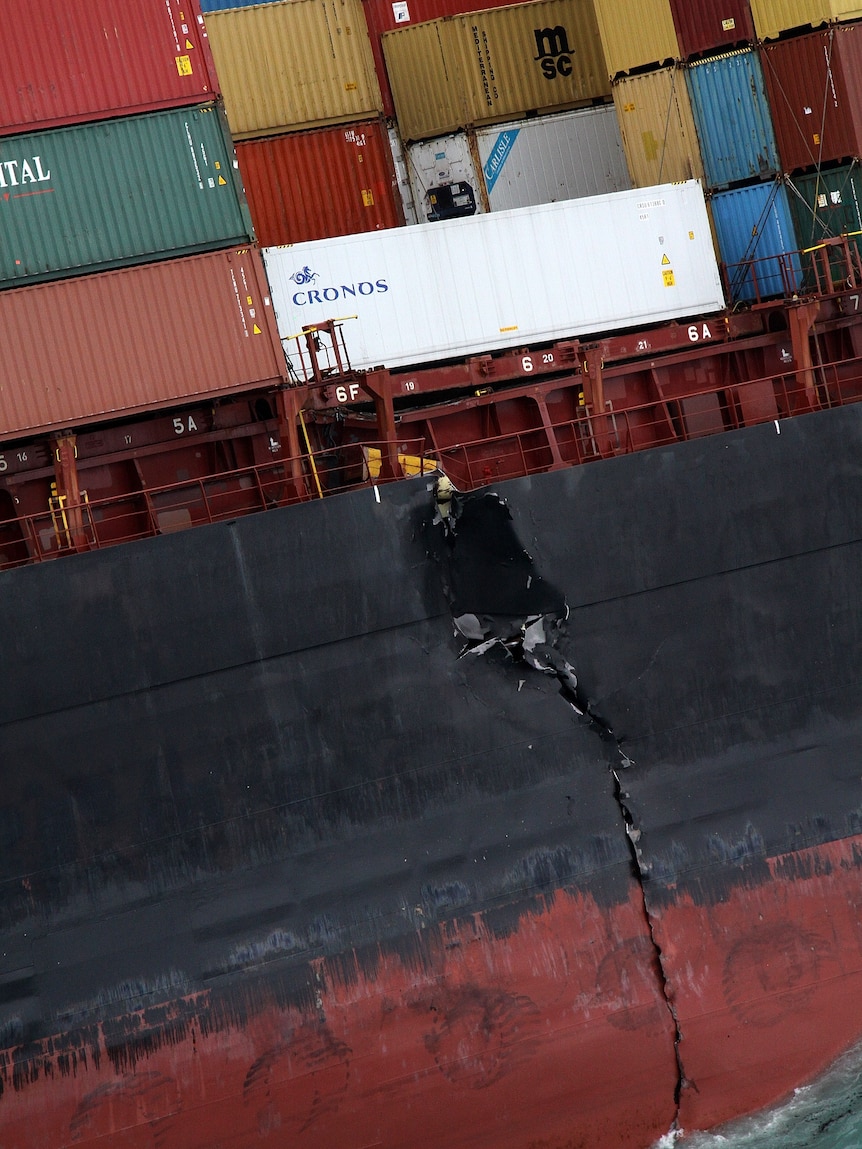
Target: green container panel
{"type": "Point", "coordinates": [828, 204]}
{"type": "Point", "coordinates": [118, 192]}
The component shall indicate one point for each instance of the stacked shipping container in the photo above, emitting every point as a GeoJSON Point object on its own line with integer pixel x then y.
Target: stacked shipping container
{"type": "Point", "coordinates": [690, 99]}
{"type": "Point", "coordinates": [765, 110]}
{"type": "Point", "coordinates": [504, 107]}
{"type": "Point", "coordinates": [305, 108]}
{"type": "Point", "coordinates": [814, 82]}
{"type": "Point", "coordinates": [114, 154]}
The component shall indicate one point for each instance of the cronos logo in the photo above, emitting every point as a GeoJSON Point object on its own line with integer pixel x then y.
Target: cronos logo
{"type": "Point", "coordinates": [554, 54]}
{"type": "Point", "coordinates": [329, 294]}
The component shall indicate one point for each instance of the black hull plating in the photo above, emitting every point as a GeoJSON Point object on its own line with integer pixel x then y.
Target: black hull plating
{"type": "Point", "coordinates": [245, 764]}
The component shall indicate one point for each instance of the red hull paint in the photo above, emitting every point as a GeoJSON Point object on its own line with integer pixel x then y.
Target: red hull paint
{"type": "Point", "coordinates": [767, 984]}
{"type": "Point", "coordinates": [475, 1033]}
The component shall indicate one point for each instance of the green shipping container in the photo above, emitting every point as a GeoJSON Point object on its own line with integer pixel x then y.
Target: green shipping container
{"type": "Point", "coordinates": [118, 192]}
{"type": "Point", "coordinates": [828, 204]}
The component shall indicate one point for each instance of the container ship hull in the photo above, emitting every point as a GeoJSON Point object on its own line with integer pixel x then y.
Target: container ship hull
{"type": "Point", "coordinates": [306, 861]}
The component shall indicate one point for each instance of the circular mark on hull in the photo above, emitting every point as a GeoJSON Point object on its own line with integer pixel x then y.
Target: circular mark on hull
{"type": "Point", "coordinates": [771, 972]}
{"type": "Point", "coordinates": [478, 1034]}
{"type": "Point", "coordinates": [293, 1084]}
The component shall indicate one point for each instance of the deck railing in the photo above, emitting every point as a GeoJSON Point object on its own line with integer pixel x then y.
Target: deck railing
{"type": "Point", "coordinates": [63, 529]}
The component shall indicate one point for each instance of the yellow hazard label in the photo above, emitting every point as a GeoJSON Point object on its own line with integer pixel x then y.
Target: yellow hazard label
{"type": "Point", "coordinates": [665, 262]}
{"type": "Point", "coordinates": [256, 330]}
{"type": "Point", "coordinates": [691, 235]}
{"type": "Point", "coordinates": [350, 87]}
{"type": "Point", "coordinates": [368, 197]}
{"type": "Point", "coordinates": [222, 180]}
{"type": "Point", "coordinates": [667, 276]}
{"type": "Point", "coordinates": [514, 327]}
{"type": "Point", "coordinates": [184, 65]}
{"type": "Point", "coordinates": [189, 44]}
{"type": "Point", "coordinates": [248, 300]}
{"type": "Point", "coordinates": [628, 107]}
{"type": "Point", "coordinates": [816, 137]}
{"type": "Point", "coordinates": [217, 164]}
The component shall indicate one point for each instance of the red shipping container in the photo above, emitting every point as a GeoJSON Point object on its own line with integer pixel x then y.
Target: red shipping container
{"type": "Point", "coordinates": [814, 86]}
{"type": "Point", "coordinates": [101, 346]}
{"type": "Point", "coordinates": [68, 61]}
{"type": "Point", "coordinates": [385, 15]}
{"type": "Point", "coordinates": [314, 185]}
{"type": "Point", "coordinates": [704, 25]}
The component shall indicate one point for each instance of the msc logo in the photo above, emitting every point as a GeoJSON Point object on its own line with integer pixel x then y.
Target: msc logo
{"type": "Point", "coordinates": [554, 54]}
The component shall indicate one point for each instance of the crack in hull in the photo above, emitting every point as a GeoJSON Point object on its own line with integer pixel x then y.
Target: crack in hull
{"type": "Point", "coordinates": [277, 863]}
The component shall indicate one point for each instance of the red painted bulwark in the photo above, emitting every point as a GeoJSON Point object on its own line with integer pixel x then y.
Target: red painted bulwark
{"type": "Point", "coordinates": [124, 341]}
{"type": "Point", "coordinates": [710, 24]}
{"type": "Point", "coordinates": [67, 61]}
{"type": "Point", "coordinates": [814, 85]}
{"type": "Point", "coordinates": [313, 185]}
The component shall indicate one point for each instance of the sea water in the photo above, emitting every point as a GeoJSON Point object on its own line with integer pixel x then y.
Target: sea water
{"type": "Point", "coordinates": [824, 1115]}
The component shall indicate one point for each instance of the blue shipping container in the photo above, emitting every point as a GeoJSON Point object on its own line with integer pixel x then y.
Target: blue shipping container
{"type": "Point", "coordinates": [756, 241]}
{"type": "Point", "coordinates": [220, 5]}
{"type": "Point", "coordinates": [732, 116]}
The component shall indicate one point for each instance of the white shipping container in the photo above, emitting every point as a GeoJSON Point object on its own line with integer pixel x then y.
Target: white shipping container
{"type": "Point", "coordinates": [524, 162]}
{"type": "Point", "coordinates": [551, 158]}
{"type": "Point", "coordinates": [441, 162]}
{"type": "Point", "coordinates": [505, 279]}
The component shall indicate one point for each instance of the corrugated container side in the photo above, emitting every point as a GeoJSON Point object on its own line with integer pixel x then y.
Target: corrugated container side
{"type": "Point", "coordinates": [754, 228]}
{"type": "Point", "coordinates": [552, 158]}
{"type": "Point", "coordinates": [402, 176]}
{"type": "Point", "coordinates": [657, 127]}
{"type": "Point", "coordinates": [505, 279]}
{"type": "Point", "coordinates": [68, 61]}
{"type": "Point", "coordinates": [106, 345]}
{"type": "Point", "coordinates": [772, 17]}
{"type": "Point", "coordinates": [636, 35]}
{"type": "Point", "coordinates": [311, 185]}
{"type": "Point", "coordinates": [288, 66]}
{"type": "Point", "coordinates": [492, 65]}
{"type": "Point", "coordinates": [828, 204]}
{"type": "Point", "coordinates": [814, 84]}
{"type": "Point", "coordinates": [114, 192]}
{"type": "Point", "coordinates": [710, 24]}
{"type": "Point", "coordinates": [385, 15]}
{"type": "Point", "coordinates": [731, 112]}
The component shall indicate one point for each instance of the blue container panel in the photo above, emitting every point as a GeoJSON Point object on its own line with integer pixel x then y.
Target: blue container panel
{"type": "Point", "coordinates": [220, 5]}
{"type": "Point", "coordinates": [733, 120]}
{"type": "Point", "coordinates": [757, 242]}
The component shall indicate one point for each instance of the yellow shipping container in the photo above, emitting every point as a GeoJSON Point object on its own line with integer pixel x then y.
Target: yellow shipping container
{"type": "Point", "coordinates": [636, 34]}
{"type": "Point", "coordinates": [294, 65]}
{"type": "Point", "coordinates": [774, 16]}
{"type": "Point", "coordinates": [460, 71]}
{"type": "Point", "coordinates": [657, 127]}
